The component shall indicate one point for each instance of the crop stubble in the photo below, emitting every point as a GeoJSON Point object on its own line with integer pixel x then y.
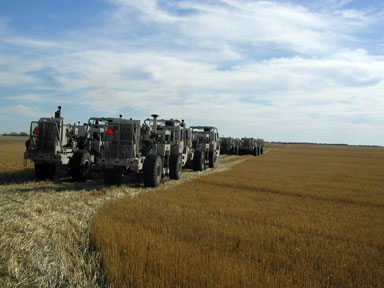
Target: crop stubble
{"type": "Point", "coordinates": [44, 225]}
{"type": "Point", "coordinates": [299, 216]}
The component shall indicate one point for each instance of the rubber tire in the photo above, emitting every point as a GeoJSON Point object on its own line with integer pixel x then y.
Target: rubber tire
{"type": "Point", "coordinates": [175, 166]}
{"type": "Point", "coordinates": [152, 170]}
{"type": "Point", "coordinates": [45, 170]}
{"type": "Point", "coordinates": [112, 176]}
{"type": "Point", "coordinates": [80, 165]}
{"type": "Point", "coordinates": [212, 159]}
{"type": "Point", "coordinates": [262, 150]}
{"type": "Point", "coordinates": [254, 152]}
{"type": "Point", "coordinates": [199, 161]}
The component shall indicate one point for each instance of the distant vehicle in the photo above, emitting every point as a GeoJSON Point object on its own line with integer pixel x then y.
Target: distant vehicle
{"type": "Point", "coordinates": [206, 145]}
{"type": "Point", "coordinates": [229, 145]}
{"type": "Point", "coordinates": [248, 146]}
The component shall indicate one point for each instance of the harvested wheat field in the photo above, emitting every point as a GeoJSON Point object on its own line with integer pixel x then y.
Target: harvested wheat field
{"type": "Point", "coordinates": [11, 160]}
{"type": "Point", "coordinates": [298, 216]}
{"type": "Point", "coordinates": [44, 225]}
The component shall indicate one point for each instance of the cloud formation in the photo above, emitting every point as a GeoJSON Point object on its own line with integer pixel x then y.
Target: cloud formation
{"type": "Point", "coordinates": [273, 69]}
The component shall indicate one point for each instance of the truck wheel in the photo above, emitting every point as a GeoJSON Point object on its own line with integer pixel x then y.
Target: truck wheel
{"type": "Point", "coordinates": [80, 165]}
{"type": "Point", "coordinates": [152, 169]}
{"type": "Point", "coordinates": [112, 176]}
{"type": "Point", "coordinates": [262, 150]}
{"type": "Point", "coordinates": [45, 170]}
{"type": "Point", "coordinates": [175, 163]}
{"type": "Point", "coordinates": [254, 152]}
{"type": "Point", "coordinates": [212, 159]}
{"type": "Point", "coordinates": [198, 161]}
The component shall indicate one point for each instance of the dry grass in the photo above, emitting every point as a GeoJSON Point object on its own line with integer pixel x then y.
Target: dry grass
{"type": "Point", "coordinates": [11, 160]}
{"type": "Point", "coordinates": [299, 216]}
{"type": "Point", "coordinates": [44, 226]}
{"type": "Point", "coordinates": [11, 147]}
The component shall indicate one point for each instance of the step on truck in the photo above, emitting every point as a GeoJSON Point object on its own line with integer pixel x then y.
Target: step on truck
{"type": "Point", "coordinates": [206, 145]}
{"type": "Point", "coordinates": [229, 145]}
{"type": "Point", "coordinates": [51, 144]}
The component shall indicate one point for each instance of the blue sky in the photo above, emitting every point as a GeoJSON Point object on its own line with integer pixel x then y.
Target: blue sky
{"type": "Point", "coordinates": [280, 70]}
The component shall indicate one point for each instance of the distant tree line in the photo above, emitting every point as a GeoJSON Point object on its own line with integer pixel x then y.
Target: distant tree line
{"type": "Point", "coordinates": [16, 134]}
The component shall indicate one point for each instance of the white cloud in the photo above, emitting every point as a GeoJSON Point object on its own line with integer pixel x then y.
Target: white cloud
{"type": "Point", "coordinates": [255, 23]}
{"type": "Point", "coordinates": [110, 84]}
{"type": "Point", "coordinates": [8, 112]}
{"type": "Point", "coordinates": [12, 79]}
{"type": "Point", "coordinates": [32, 43]}
{"type": "Point", "coordinates": [15, 68]}
{"type": "Point", "coordinates": [27, 98]}
{"type": "Point", "coordinates": [41, 98]}
{"type": "Point", "coordinates": [283, 93]}
{"type": "Point", "coordinates": [147, 7]}
{"type": "Point", "coordinates": [212, 65]}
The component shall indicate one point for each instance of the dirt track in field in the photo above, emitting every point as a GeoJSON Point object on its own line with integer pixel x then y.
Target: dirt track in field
{"type": "Point", "coordinates": [44, 228]}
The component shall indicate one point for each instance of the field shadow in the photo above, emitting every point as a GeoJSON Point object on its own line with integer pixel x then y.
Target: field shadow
{"type": "Point", "coordinates": [63, 183]}
{"type": "Point", "coordinates": [17, 177]}
{"type": "Point", "coordinates": [27, 175]}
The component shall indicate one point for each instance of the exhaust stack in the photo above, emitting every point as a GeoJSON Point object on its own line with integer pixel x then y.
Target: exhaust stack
{"type": "Point", "coordinates": [154, 125]}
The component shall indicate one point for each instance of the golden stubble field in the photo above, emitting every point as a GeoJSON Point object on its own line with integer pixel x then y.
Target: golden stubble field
{"type": "Point", "coordinates": [298, 216]}
{"type": "Point", "coordinates": [11, 160]}
{"type": "Point", "coordinates": [45, 225]}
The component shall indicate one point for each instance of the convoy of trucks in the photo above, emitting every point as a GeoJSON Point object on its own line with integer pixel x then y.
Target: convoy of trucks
{"type": "Point", "coordinates": [151, 152]}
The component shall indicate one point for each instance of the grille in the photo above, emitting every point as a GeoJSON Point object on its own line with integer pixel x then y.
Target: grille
{"type": "Point", "coordinates": [46, 139]}
{"type": "Point", "coordinates": [120, 145]}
